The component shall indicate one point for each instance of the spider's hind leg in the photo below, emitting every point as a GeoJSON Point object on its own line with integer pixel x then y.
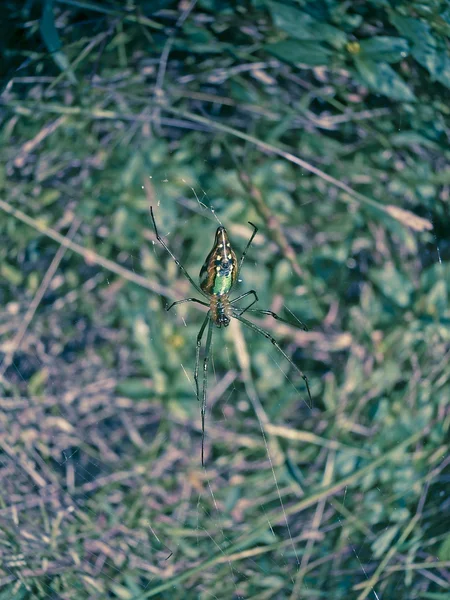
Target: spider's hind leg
{"type": "Point", "coordinates": [205, 383]}
{"type": "Point", "coordinates": [259, 311]}
{"type": "Point", "coordinates": [208, 321]}
{"type": "Point", "coordinates": [197, 353]}
{"type": "Point", "coordinates": [267, 335]}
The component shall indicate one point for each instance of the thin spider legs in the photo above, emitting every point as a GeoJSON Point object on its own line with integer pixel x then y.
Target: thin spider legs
{"type": "Point", "coordinates": [255, 296]}
{"type": "Point", "coordinates": [275, 316]}
{"type": "Point", "coordinates": [197, 353]}
{"type": "Point", "coordinates": [166, 247]}
{"type": "Point", "coordinates": [260, 311]}
{"type": "Point", "coordinates": [205, 382]}
{"type": "Point", "coordinates": [255, 229]}
{"type": "Point", "coordinates": [186, 300]}
{"type": "Point", "coordinates": [267, 335]}
{"type": "Point", "coordinates": [220, 309]}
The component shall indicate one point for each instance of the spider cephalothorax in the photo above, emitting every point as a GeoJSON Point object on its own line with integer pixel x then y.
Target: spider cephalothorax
{"type": "Point", "coordinates": [218, 276]}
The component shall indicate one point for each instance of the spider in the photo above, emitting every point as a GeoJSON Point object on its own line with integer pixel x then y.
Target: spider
{"type": "Point", "coordinates": [218, 276]}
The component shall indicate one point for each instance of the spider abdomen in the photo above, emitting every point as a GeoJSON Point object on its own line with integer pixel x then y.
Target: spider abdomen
{"type": "Point", "coordinates": [219, 271]}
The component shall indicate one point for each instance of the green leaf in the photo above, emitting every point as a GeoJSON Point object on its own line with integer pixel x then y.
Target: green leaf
{"type": "Point", "coordinates": [49, 197]}
{"type": "Point", "coordinates": [293, 52]}
{"type": "Point", "coordinates": [444, 549]}
{"type": "Point", "coordinates": [48, 28]}
{"type": "Point", "coordinates": [63, 63]}
{"type": "Point", "coordinates": [436, 272]}
{"type": "Point", "coordinates": [135, 388]}
{"type": "Point", "coordinates": [382, 79]}
{"type": "Point", "coordinates": [10, 273]}
{"type": "Point", "coordinates": [387, 49]}
{"type": "Point", "coordinates": [300, 25]}
{"type": "Point", "coordinates": [415, 30]}
{"type": "Point", "coordinates": [428, 50]}
{"type": "Point", "coordinates": [436, 302]}
{"type": "Point", "coordinates": [383, 541]}
{"type": "Point", "coordinates": [406, 139]}
{"type": "Point", "coordinates": [36, 385]}
{"type": "Point", "coordinates": [51, 39]}
{"type": "Point", "coordinates": [393, 284]}
{"type": "Point", "coordinates": [199, 40]}
{"type": "Point", "coordinates": [121, 592]}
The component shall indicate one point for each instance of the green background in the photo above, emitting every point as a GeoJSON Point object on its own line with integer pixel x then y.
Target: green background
{"type": "Point", "coordinates": [326, 124]}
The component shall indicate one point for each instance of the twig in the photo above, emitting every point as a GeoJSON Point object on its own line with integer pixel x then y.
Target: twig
{"type": "Point", "coordinates": [400, 215]}
{"type": "Point", "coordinates": [89, 255]}
{"type": "Point", "coordinates": [308, 437]}
{"type": "Point", "coordinates": [272, 223]}
{"type": "Point", "coordinates": [27, 466]}
{"type": "Point", "coordinates": [418, 224]}
{"type": "Point", "coordinates": [274, 229]}
{"type": "Point", "coordinates": [29, 146]}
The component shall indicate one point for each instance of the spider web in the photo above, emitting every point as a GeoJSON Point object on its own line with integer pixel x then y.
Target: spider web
{"type": "Point", "coordinates": [101, 469]}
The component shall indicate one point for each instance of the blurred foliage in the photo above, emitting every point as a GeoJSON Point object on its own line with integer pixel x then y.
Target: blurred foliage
{"type": "Point", "coordinates": [327, 124]}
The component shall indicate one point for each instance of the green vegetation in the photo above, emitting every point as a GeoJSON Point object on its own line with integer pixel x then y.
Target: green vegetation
{"type": "Point", "coordinates": [325, 123]}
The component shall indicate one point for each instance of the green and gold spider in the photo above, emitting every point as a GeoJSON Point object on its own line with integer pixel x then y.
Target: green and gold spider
{"type": "Point", "coordinates": [218, 276]}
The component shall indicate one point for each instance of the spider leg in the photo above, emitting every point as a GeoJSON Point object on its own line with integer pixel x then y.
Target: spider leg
{"type": "Point", "coordinates": [186, 300]}
{"type": "Point", "coordinates": [197, 353]}
{"type": "Point", "coordinates": [255, 295]}
{"type": "Point", "coordinates": [205, 382]}
{"type": "Point", "coordinates": [267, 335]}
{"type": "Point", "coordinates": [275, 316]}
{"type": "Point", "coordinates": [166, 247]}
{"type": "Point", "coordinates": [255, 229]}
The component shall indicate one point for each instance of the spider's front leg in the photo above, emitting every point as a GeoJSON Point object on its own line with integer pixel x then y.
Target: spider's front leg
{"type": "Point", "coordinates": [186, 300]}
{"type": "Point", "coordinates": [169, 251]}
